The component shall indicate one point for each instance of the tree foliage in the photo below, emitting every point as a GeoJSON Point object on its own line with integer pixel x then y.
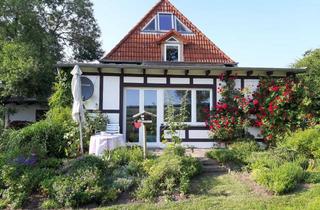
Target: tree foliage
{"type": "Point", "coordinates": [34, 35]}
{"type": "Point", "coordinates": [311, 60]}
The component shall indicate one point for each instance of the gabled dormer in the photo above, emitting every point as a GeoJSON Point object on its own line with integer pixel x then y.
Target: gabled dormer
{"type": "Point", "coordinates": [166, 35]}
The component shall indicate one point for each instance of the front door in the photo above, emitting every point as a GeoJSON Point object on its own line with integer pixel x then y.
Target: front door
{"type": "Point", "coordinates": [135, 101]}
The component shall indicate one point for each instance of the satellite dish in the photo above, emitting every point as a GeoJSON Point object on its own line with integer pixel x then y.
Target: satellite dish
{"type": "Point", "coordinates": [87, 88]}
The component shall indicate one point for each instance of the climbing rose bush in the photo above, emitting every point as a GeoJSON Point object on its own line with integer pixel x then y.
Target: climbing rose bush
{"type": "Point", "coordinates": [229, 117]}
{"type": "Point", "coordinates": [277, 106]}
{"type": "Point", "coordinates": [281, 106]}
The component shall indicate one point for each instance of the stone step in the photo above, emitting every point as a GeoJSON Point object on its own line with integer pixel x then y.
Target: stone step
{"type": "Point", "coordinates": [213, 169]}
{"type": "Point", "coordinates": [208, 161]}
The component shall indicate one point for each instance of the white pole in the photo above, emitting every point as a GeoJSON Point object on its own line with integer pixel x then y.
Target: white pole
{"type": "Point", "coordinates": [81, 141]}
{"type": "Point", "coordinates": [144, 141]}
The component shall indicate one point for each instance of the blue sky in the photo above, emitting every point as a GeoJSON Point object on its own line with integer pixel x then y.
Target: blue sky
{"type": "Point", "coordinates": [269, 33]}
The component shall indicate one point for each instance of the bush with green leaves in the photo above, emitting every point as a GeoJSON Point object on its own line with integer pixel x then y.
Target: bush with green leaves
{"type": "Point", "coordinates": [20, 181]}
{"type": "Point", "coordinates": [281, 179]}
{"type": "Point", "coordinates": [238, 152]}
{"type": "Point", "coordinates": [222, 155]}
{"type": "Point", "coordinates": [306, 142]}
{"type": "Point", "coordinates": [170, 174]}
{"type": "Point", "coordinates": [83, 181]}
{"type": "Point", "coordinates": [42, 138]}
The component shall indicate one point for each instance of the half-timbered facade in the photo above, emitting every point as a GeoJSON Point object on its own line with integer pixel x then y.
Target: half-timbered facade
{"type": "Point", "coordinates": [163, 58]}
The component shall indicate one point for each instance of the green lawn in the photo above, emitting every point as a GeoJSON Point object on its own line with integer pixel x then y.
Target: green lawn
{"type": "Point", "coordinates": [228, 192]}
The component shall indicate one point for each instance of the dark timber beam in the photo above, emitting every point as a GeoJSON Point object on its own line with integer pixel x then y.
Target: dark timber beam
{"type": "Point", "coordinates": [269, 73]}
{"type": "Point", "coordinates": [208, 72]}
{"type": "Point", "coordinates": [165, 72]}
{"type": "Point", "coordinates": [291, 74]}
{"type": "Point", "coordinates": [249, 73]}
{"type": "Point", "coordinates": [186, 72]}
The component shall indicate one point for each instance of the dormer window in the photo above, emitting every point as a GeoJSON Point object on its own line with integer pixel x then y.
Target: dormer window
{"type": "Point", "coordinates": [164, 22]}
{"type": "Point", "coordinates": [172, 52]}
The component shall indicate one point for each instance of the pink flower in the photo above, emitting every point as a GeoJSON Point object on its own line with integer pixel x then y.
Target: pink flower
{"type": "Point", "coordinates": [255, 102]}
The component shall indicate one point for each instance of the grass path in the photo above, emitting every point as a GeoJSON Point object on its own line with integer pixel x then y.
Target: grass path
{"type": "Point", "coordinates": [230, 191]}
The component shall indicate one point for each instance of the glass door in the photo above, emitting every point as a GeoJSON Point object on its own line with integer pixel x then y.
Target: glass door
{"type": "Point", "coordinates": [132, 104]}
{"type": "Point", "coordinates": [139, 100]}
{"type": "Point", "coordinates": [150, 105]}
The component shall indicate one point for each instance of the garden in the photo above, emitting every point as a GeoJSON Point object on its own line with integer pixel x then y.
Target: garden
{"type": "Point", "coordinates": [41, 166]}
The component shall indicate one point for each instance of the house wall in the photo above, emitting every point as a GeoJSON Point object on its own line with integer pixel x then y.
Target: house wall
{"type": "Point", "coordinates": [111, 95]}
{"type": "Point", "coordinates": [23, 112]}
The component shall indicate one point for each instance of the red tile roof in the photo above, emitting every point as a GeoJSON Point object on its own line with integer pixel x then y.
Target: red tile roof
{"type": "Point", "coordinates": [140, 47]}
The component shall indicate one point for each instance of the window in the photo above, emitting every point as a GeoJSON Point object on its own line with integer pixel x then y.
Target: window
{"type": "Point", "coordinates": [172, 52]}
{"type": "Point", "coordinates": [163, 22]}
{"type": "Point", "coordinates": [175, 97]}
{"type": "Point", "coordinates": [203, 103]}
{"type": "Point", "coordinates": [180, 27]}
{"type": "Point", "coordinates": [151, 26]}
{"type": "Point", "coordinates": [132, 106]}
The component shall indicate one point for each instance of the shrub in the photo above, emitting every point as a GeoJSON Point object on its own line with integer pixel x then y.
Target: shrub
{"type": "Point", "coordinates": [49, 204]}
{"type": "Point", "coordinates": [221, 155]}
{"type": "Point", "coordinates": [280, 179]}
{"type": "Point", "coordinates": [83, 181]}
{"type": "Point", "coordinates": [42, 138]}
{"type": "Point", "coordinates": [243, 150]}
{"type": "Point", "coordinates": [20, 181]}
{"type": "Point", "coordinates": [306, 142]}
{"type": "Point", "coordinates": [170, 174]}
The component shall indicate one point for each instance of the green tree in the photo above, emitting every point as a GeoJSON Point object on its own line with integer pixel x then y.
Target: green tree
{"type": "Point", "coordinates": [311, 60]}
{"type": "Point", "coordinates": [45, 32]}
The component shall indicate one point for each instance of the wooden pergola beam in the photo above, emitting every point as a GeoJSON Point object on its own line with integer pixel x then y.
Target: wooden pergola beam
{"type": "Point", "coordinates": [249, 73]}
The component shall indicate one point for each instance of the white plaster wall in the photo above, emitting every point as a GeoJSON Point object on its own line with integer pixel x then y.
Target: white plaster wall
{"type": "Point", "coordinates": [111, 92]}
{"type": "Point", "coordinates": [157, 80]}
{"type": "Point", "coordinates": [201, 81]}
{"type": "Point", "coordinates": [256, 132]}
{"type": "Point", "coordinates": [93, 102]}
{"type": "Point", "coordinates": [180, 80]}
{"type": "Point", "coordinates": [133, 79]}
{"type": "Point", "coordinates": [237, 84]}
{"type": "Point", "coordinates": [198, 134]}
{"type": "Point", "coordinates": [24, 112]}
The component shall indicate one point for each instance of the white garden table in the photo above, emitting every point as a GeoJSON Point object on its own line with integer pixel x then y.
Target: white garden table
{"type": "Point", "coordinates": [102, 142]}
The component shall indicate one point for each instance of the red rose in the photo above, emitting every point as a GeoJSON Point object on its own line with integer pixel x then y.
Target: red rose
{"type": "Point", "coordinates": [255, 102]}
{"type": "Point", "coordinates": [275, 88]}
{"type": "Point", "coordinates": [224, 106]}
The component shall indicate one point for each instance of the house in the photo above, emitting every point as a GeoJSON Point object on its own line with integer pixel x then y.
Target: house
{"type": "Point", "coordinates": [164, 57]}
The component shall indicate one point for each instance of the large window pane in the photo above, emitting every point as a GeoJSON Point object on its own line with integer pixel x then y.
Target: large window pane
{"type": "Point", "coordinates": [132, 104]}
{"type": "Point", "coordinates": [150, 105]}
{"type": "Point", "coordinates": [165, 22]}
{"type": "Point", "coordinates": [203, 103]}
{"type": "Point", "coordinates": [175, 97]}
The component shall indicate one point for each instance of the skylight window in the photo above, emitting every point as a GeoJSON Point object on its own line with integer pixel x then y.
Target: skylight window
{"type": "Point", "coordinates": [163, 22]}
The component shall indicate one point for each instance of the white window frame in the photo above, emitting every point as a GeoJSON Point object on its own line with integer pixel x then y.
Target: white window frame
{"type": "Point", "coordinates": [174, 19]}
{"type": "Point", "coordinates": [158, 18]}
{"type": "Point", "coordinates": [193, 103]}
{"type": "Point", "coordinates": [172, 45]}
{"type": "Point", "coordinates": [175, 25]}
{"type": "Point", "coordinates": [156, 25]}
